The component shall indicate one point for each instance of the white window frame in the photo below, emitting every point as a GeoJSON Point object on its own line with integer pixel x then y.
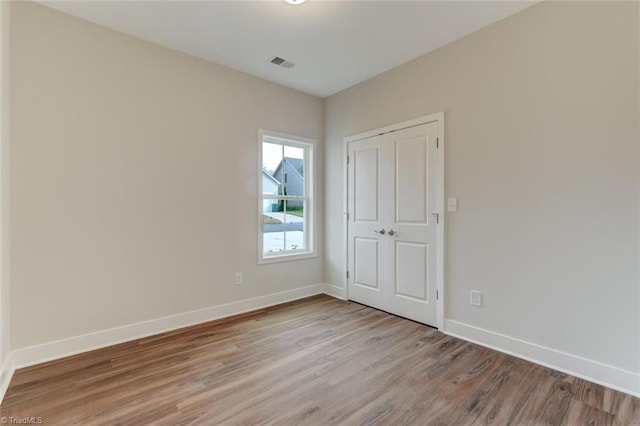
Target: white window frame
{"type": "Point", "coordinates": [309, 146]}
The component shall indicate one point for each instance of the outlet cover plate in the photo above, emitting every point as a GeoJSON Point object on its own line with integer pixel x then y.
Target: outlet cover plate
{"type": "Point", "coordinates": [476, 298]}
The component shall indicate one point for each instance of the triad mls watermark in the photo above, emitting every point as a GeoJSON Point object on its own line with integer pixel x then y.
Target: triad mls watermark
{"type": "Point", "coordinates": [26, 420]}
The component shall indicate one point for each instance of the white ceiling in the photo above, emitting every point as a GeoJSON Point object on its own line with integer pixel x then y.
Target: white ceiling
{"type": "Point", "coordinates": [334, 44]}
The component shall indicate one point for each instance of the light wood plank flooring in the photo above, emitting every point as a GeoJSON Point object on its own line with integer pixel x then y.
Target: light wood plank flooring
{"type": "Point", "coordinates": [318, 361]}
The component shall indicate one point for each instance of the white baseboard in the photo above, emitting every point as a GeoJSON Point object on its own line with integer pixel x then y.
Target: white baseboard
{"type": "Point", "coordinates": [593, 371]}
{"type": "Point", "coordinates": [335, 291]}
{"type": "Point", "coordinates": [49, 351]}
{"type": "Point", "coordinates": [6, 373]}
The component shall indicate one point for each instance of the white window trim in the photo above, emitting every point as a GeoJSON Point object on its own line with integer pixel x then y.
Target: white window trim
{"type": "Point", "coordinates": [310, 184]}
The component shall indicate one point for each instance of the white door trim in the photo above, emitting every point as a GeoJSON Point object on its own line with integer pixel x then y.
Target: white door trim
{"type": "Point", "coordinates": [439, 118]}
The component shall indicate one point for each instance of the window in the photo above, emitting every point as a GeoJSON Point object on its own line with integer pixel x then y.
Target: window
{"type": "Point", "coordinates": [286, 207]}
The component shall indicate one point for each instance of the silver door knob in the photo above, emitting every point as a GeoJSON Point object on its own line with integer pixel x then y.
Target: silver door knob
{"type": "Point", "coordinates": [380, 231]}
{"type": "Point", "coordinates": [391, 232]}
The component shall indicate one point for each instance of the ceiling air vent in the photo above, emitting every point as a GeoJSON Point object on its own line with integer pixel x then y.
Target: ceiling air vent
{"type": "Point", "coordinates": [276, 60]}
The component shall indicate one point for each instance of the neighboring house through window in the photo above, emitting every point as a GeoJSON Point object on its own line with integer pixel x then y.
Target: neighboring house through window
{"type": "Point", "coordinates": [290, 172]}
{"type": "Point", "coordinates": [286, 190]}
{"type": "Point", "coordinates": [270, 186]}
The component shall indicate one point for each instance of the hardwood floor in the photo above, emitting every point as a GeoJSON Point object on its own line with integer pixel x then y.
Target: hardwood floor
{"type": "Point", "coordinates": [318, 361]}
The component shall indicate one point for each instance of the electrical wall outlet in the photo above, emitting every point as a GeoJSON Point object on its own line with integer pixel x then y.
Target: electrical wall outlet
{"type": "Point", "coordinates": [238, 277]}
{"type": "Point", "coordinates": [476, 298]}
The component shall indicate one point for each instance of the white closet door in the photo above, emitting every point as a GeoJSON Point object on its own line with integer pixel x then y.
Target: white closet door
{"type": "Point", "coordinates": [392, 189]}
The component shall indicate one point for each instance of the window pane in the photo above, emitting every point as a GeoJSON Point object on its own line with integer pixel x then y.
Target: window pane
{"type": "Point", "coordinates": [293, 179]}
{"type": "Point", "coordinates": [271, 160]}
{"type": "Point", "coordinates": [272, 233]}
{"type": "Point", "coordinates": [293, 152]}
{"type": "Point", "coordinates": [294, 228]}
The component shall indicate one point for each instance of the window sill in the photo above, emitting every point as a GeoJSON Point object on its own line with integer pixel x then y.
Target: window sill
{"type": "Point", "coordinates": [286, 257]}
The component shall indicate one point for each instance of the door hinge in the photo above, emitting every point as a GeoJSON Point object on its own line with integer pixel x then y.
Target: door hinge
{"type": "Point", "coordinates": [348, 159]}
{"type": "Point", "coordinates": [437, 295]}
{"type": "Point", "coordinates": [347, 216]}
{"type": "Point", "coordinates": [347, 274]}
{"type": "Point", "coordinates": [437, 142]}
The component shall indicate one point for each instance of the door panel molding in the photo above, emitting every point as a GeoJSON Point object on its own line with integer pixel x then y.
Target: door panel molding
{"type": "Point", "coordinates": [405, 285]}
{"type": "Point", "coordinates": [363, 276]}
{"type": "Point", "coordinates": [362, 190]}
{"type": "Point", "coordinates": [418, 157]}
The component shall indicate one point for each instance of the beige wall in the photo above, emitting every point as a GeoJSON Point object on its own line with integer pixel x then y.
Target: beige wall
{"type": "Point", "coordinates": [542, 152]}
{"type": "Point", "coordinates": [5, 32]}
{"type": "Point", "coordinates": [134, 179]}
